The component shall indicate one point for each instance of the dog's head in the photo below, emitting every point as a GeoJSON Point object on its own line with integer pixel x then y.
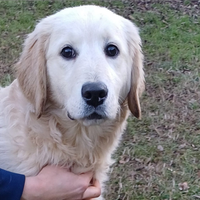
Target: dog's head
{"type": "Point", "coordinates": [89, 58]}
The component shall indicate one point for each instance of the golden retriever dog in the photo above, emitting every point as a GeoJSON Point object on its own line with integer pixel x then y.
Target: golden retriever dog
{"type": "Point", "coordinates": [79, 74]}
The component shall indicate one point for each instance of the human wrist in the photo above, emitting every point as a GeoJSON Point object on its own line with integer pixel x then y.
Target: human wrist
{"type": "Point", "coordinates": [31, 189]}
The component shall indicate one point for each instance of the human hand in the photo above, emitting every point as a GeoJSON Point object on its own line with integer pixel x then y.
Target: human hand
{"type": "Point", "coordinates": [53, 183]}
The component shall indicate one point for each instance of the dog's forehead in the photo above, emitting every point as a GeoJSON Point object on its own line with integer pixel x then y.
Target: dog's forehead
{"type": "Point", "coordinates": [86, 24]}
{"type": "Point", "coordinates": [88, 13]}
{"type": "Point", "coordinates": [87, 18]}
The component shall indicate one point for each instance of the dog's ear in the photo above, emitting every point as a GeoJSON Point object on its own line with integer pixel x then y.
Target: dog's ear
{"type": "Point", "coordinates": [31, 70]}
{"type": "Point", "coordinates": [137, 73]}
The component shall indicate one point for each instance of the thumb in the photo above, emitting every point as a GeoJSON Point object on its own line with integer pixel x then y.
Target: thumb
{"type": "Point", "coordinates": [87, 177]}
{"type": "Point", "coordinates": [92, 191]}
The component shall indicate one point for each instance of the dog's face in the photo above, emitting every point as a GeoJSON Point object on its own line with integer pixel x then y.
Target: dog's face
{"type": "Point", "coordinates": [89, 66]}
{"type": "Point", "coordinates": [91, 59]}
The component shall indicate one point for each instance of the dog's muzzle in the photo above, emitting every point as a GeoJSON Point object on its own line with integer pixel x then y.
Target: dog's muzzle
{"type": "Point", "coordinates": [94, 95]}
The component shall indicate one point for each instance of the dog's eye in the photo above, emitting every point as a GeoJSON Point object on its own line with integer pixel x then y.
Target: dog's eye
{"type": "Point", "coordinates": [111, 50]}
{"type": "Point", "coordinates": [68, 52]}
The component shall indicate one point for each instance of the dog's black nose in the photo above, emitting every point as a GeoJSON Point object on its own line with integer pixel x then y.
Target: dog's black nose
{"type": "Point", "coordinates": [95, 93]}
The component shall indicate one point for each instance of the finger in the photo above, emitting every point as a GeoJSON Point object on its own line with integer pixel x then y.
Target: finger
{"type": "Point", "coordinates": [88, 199]}
{"type": "Point", "coordinates": [92, 191]}
{"type": "Point", "coordinates": [96, 183]}
{"type": "Point", "coordinates": [87, 176]}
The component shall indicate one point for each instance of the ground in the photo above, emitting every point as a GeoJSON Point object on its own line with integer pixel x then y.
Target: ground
{"type": "Point", "coordinates": [158, 158]}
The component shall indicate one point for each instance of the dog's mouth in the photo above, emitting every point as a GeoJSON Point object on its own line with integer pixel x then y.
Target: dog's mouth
{"type": "Point", "coordinates": [94, 116]}
{"type": "Point", "coordinates": [70, 117]}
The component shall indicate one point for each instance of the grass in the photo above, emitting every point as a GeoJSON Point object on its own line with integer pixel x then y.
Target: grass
{"type": "Point", "coordinates": [163, 149]}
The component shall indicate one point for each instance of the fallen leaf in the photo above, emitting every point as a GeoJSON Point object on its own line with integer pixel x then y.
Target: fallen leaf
{"type": "Point", "coordinates": [183, 186]}
{"type": "Point", "coordinates": [160, 148]}
{"type": "Point", "coordinates": [124, 159]}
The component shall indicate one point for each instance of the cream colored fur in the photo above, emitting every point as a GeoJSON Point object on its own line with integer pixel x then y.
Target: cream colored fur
{"type": "Point", "coordinates": [35, 129]}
